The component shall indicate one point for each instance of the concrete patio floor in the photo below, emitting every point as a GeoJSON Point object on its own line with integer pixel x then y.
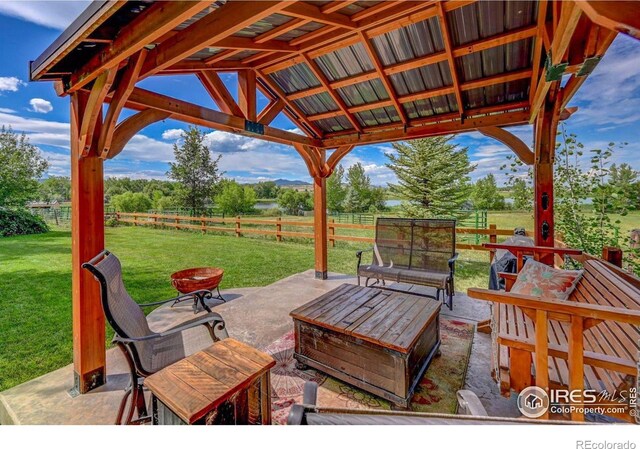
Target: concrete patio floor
{"type": "Point", "coordinates": [257, 316]}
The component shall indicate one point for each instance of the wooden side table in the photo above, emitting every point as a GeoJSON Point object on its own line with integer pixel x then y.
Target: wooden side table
{"type": "Point", "coordinates": [227, 383]}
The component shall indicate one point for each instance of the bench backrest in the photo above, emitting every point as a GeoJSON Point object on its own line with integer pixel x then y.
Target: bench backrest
{"type": "Point", "coordinates": [606, 285]}
{"type": "Point", "coordinates": [422, 244]}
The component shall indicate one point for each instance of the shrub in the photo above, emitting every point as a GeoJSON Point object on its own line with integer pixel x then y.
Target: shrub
{"type": "Point", "coordinates": [131, 202]}
{"type": "Point", "coordinates": [111, 222]}
{"type": "Point", "coordinates": [20, 222]}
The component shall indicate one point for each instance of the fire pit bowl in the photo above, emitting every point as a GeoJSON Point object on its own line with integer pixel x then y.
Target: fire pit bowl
{"type": "Point", "coordinates": [195, 280]}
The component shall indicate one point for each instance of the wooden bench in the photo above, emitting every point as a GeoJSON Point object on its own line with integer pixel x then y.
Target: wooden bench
{"type": "Point", "coordinates": [589, 341]}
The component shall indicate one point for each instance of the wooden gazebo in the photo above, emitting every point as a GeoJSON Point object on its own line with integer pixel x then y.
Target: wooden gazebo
{"type": "Point", "coordinates": [347, 73]}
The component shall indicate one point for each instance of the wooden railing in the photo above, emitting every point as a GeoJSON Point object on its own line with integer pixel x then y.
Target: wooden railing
{"type": "Point", "coordinates": [282, 228]}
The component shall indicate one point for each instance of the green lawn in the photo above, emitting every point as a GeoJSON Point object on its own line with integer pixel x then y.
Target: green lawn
{"type": "Point", "coordinates": [35, 282]}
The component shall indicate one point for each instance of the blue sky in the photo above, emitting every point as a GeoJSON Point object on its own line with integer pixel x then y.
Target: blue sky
{"type": "Point", "coordinates": [609, 110]}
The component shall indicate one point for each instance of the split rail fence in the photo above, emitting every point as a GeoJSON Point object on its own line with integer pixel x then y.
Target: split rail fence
{"type": "Point", "coordinates": [280, 228]}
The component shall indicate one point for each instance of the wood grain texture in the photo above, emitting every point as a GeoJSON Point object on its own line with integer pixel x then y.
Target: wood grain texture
{"type": "Point", "coordinates": [196, 385]}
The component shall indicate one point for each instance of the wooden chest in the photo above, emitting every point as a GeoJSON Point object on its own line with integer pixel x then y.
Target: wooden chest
{"type": "Point", "coordinates": [375, 339]}
{"type": "Point", "coordinates": [226, 383]}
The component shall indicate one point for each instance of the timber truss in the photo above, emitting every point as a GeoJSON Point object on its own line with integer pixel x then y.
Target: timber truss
{"type": "Point", "coordinates": [346, 73]}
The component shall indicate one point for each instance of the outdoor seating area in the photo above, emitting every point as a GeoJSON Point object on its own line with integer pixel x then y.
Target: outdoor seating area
{"type": "Point", "coordinates": [320, 347]}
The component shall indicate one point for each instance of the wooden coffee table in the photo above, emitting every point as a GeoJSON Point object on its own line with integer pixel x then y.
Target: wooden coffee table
{"type": "Point", "coordinates": [379, 340]}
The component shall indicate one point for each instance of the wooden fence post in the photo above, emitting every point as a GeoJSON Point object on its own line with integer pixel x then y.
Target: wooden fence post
{"type": "Point", "coordinates": [202, 223]}
{"type": "Point", "coordinates": [238, 226]}
{"type": "Point", "coordinates": [135, 220]}
{"type": "Point", "coordinates": [332, 232]}
{"type": "Point", "coordinates": [493, 238]}
{"type": "Point", "coordinates": [278, 229]}
{"type": "Point", "coordinates": [177, 224]}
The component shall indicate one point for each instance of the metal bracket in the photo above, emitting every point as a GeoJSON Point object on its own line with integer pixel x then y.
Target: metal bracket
{"type": "Point", "coordinates": [254, 127]}
{"type": "Point", "coordinates": [554, 72]}
{"type": "Point", "coordinates": [588, 65]}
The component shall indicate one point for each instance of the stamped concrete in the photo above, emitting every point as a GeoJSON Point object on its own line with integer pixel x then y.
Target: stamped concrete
{"type": "Point", "coordinates": [256, 316]}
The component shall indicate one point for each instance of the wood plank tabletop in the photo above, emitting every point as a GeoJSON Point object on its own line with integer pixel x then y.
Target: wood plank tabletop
{"type": "Point", "coordinates": [199, 383]}
{"type": "Point", "coordinates": [391, 319]}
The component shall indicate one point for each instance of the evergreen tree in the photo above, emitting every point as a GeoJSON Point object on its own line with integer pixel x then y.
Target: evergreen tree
{"type": "Point", "coordinates": [361, 196]}
{"type": "Point", "coordinates": [336, 191]}
{"type": "Point", "coordinates": [485, 194]}
{"type": "Point", "coordinates": [195, 170]}
{"type": "Point", "coordinates": [21, 165]}
{"type": "Point", "coordinates": [433, 176]}
{"type": "Point", "coordinates": [625, 188]}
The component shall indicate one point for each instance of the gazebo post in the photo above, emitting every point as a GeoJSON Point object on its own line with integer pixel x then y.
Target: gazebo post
{"type": "Point", "coordinates": [320, 225]}
{"type": "Point", "coordinates": [87, 240]}
{"type": "Point", "coordinates": [545, 129]}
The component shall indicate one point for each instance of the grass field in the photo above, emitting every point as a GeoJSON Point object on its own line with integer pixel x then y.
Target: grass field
{"type": "Point", "coordinates": [35, 282]}
{"type": "Point", "coordinates": [35, 278]}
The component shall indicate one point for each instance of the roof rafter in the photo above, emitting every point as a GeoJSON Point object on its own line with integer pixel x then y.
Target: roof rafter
{"type": "Point", "coordinates": [377, 64]}
{"type": "Point", "coordinates": [161, 18]}
{"type": "Point", "coordinates": [332, 93]}
{"type": "Point", "coordinates": [226, 20]}
{"type": "Point", "coordinates": [448, 48]}
{"type": "Point", "coordinates": [315, 13]}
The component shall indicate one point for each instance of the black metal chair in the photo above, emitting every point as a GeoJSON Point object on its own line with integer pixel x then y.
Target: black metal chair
{"type": "Point", "coordinates": [146, 351]}
{"type": "Point", "coordinates": [414, 251]}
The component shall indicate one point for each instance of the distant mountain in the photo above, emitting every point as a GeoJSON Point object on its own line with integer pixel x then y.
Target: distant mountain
{"type": "Point", "coordinates": [288, 182]}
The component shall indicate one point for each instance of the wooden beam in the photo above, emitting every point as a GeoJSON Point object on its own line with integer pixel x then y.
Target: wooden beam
{"type": "Point", "coordinates": [304, 10]}
{"type": "Point", "coordinates": [215, 26]}
{"type": "Point", "coordinates": [538, 47]}
{"type": "Point", "coordinates": [247, 94]}
{"type": "Point", "coordinates": [131, 126]}
{"type": "Point", "coordinates": [120, 96]}
{"type": "Point", "coordinates": [219, 93]}
{"type": "Point", "coordinates": [568, 21]}
{"type": "Point", "coordinates": [220, 56]}
{"type": "Point", "coordinates": [271, 111]}
{"type": "Point", "coordinates": [432, 129]}
{"type": "Point", "coordinates": [246, 43]}
{"type": "Point", "coordinates": [576, 361]}
{"type": "Point", "coordinates": [336, 6]}
{"type": "Point", "coordinates": [542, 352]}
{"type": "Point", "coordinates": [514, 143]}
{"type": "Point", "coordinates": [448, 48]}
{"type": "Point", "coordinates": [336, 157]}
{"type": "Point", "coordinates": [377, 64]}
{"type": "Point", "coordinates": [272, 96]}
{"type": "Point", "coordinates": [290, 104]}
{"type": "Point", "coordinates": [319, 74]}
{"type": "Point", "coordinates": [618, 16]}
{"type": "Point", "coordinates": [92, 112]}
{"type": "Point", "coordinates": [87, 240]}
{"type": "Point", "coordinates": [147, 28]}
{"type": "Point", "coordinates": [280, 30]}
{"type": "Point", "coordinates": [141, 99]}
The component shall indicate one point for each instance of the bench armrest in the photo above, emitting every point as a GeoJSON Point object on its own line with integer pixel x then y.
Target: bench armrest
{"type": "Point", "coordinates": [359, 254]}
{"type": "Point", "coordinates": [452, 262]}
{"type": "Point", "coordinates": [592, 311]}
{"type": "Point", "coordinates": [469, 404]}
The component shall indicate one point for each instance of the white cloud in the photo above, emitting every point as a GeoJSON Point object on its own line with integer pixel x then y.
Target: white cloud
{"type": "Point", "coordinates": [7, 110]}
{"type": "Point", "coordinates": [223, 142]}
{"type": "Point", "coordinates": [10, 83]}
{"type": "Point", "coordinates": [59, 164]}
{"type": "Point", "coordinates": [143, 148]}
{"type": "Point", "coordinates": [52, 14]}
{"type": "Point", "coordinates": [172, 134]}
{"type": "Point", "coordinates": [40, 105]}
{"type": "Point", "coordinates": [29, 125]}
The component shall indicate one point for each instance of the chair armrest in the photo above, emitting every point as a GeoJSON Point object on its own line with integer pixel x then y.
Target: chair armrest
{"type": "Point", "coordinates": [509, 279]}
{"type": "Point", "coordinates": [208, 319]}
{"type": "Point", "coordinates": [186, 295]}
{"type": "Point", "coordinates": [593, 311]}
{"type": "Point", "coordinates": [469, 404]}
